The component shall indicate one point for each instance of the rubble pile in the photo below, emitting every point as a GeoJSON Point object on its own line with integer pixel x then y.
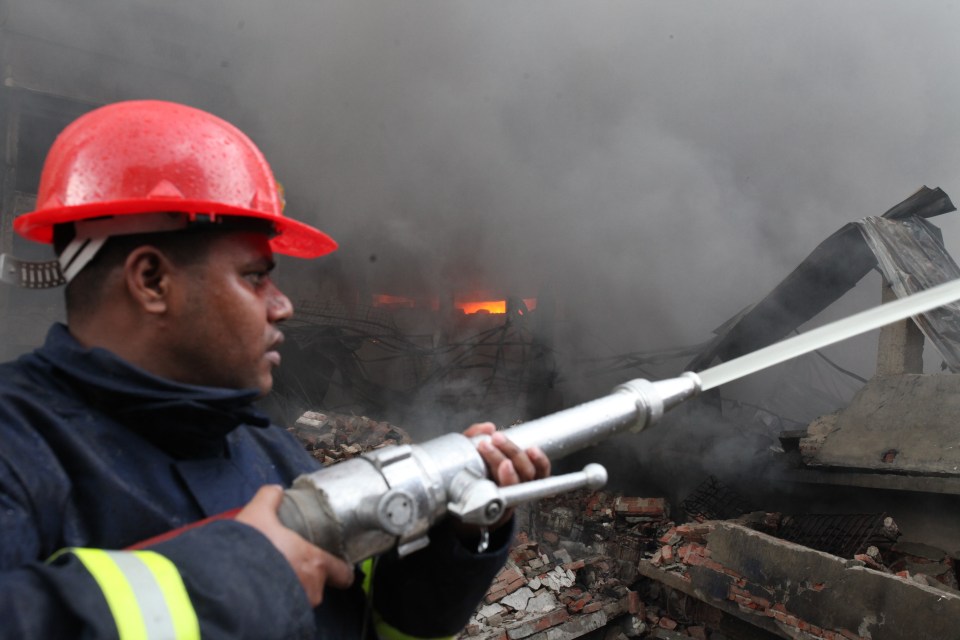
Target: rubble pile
{"type": "Point", "coordinates": [684, 552]}
{"type": "Point", "coordinates": [585, 562]}
{"type": "Point", "coordinates": [543, 592]}
{"type": "Point", "coordinates": [612, 567]}
{"type": "Point", "coordinates": [921, 563]}
{"type": "Point", "coordinates": [573, 570]}
{"type": "Point", "coordinates": [567, 574]}
{"type": "Point", "coordinates": [333, 437]}
{"type": "Point", "coordinates": [870, 539]}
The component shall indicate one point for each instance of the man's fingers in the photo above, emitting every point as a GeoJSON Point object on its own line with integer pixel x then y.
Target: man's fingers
{"type": "Point", "coordinates": [540, 462]}
{"type": "Point", "coordinates": [480, 429]}
{"type": "Point", "coordinates": [524, 467]}
{"type": "Point", "coordinates": [266, 500]}
{"type": "Point", "coordinates": [507, 474]}
{"type": "Point", "coordinates": [504, 444]}
{"type": "Point", "coordinates": [315, 568]}
{"type": "Point", "coordinates": [491, 455]}
{"type": "Point", "coordinates": [507, 463]}
{"type": "Point", "coordinates": [339, 573]}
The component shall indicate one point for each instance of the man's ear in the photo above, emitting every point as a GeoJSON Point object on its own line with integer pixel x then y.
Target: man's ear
{"type": "Point", "coordinates": [147, 274]}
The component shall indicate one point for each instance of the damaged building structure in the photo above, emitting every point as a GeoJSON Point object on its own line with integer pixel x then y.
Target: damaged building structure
{"type": "Point", "coordinates": [853, 537]}
{"type": "Point", "coordinates": [858, 539]}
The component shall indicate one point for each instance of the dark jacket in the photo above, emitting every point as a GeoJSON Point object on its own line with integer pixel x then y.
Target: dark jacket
{"type": "Point", "coordinates": [97, 453]}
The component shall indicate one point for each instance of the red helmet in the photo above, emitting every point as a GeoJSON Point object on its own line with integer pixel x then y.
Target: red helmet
{"type": "Point", "coordinates": [150, 156]}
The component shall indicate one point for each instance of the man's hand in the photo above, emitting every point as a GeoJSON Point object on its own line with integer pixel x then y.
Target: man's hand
{"type": "Point", "coordinates": [506, 462]}
{"type": "Point", "coordinates": [314, 567]}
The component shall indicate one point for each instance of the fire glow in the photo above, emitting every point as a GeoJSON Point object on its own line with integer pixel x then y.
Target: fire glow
{"type": "Point", "coordinates": [486, 306]}
{"type": "Point", "coordinates": [468, 307]}
{"type": "Point", "coordinates": [492, 306]}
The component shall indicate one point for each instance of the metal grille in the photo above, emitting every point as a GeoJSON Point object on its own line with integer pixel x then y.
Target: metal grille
{"type": "Point", "coordinates": [361, 318]}
{"type": "Point", "coordinates": [840, 535]}
{"type": "Point", "coordinates": [713, 500]}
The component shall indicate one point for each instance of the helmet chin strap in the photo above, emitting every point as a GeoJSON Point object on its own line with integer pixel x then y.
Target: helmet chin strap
{"type": "Point", "coordinates": [90, 237]}
{"type": "Point", "coordinates": [92, 234]}
{"type": "Point", "coordinates": [78, 254]}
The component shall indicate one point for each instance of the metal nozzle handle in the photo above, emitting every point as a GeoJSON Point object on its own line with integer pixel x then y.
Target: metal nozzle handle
{"type": "Point", "coordinates": [593, 476]}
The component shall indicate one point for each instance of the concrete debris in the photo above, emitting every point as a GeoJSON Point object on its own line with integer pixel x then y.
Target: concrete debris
{"type": "Point", "coordinates": [797, 592]}
{"type": "Point", "coordinates": [559, 604]}
{"type": "Point", "coordinates": [632, 626]}
{"type": "Point", "coordinates": [569, 569]}
{"type": "Point", "coordinates": [518, 599]}
{"type": "Point", "coordinates": [542, 602]}
{"type": "Point", "coordinates": [870, 433]}
{"type": "Point", "coordinates": [490, 610]}
{"type": "Point", "coordinates": [924, 564]}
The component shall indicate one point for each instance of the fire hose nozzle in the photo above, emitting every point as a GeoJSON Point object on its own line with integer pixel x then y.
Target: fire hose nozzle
{"type": "Point", "coordinates": [654, 398]}
{"type": "Point", "coordinates": [633, 405]}
{"type": "Point", "coordinates": [390, 498]}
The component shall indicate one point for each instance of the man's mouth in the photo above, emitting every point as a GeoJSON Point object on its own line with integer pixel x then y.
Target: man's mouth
{"type": "Point", "coordinates": [273, 354]}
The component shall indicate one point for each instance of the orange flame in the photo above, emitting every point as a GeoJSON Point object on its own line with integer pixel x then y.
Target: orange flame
{"type": "Point", "coordinates": [487, 306]}
{"type": "Point", "coordinates": [498, 307]}
{"type": "Point", "coordinates": [493, 306]}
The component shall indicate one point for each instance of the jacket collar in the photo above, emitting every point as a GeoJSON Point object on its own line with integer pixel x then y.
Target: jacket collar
{"type": "Point", "coordinates": [187, 421]}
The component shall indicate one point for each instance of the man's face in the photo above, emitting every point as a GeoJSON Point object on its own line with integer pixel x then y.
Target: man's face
{"type": "Point", "coordinates": [224, 331]}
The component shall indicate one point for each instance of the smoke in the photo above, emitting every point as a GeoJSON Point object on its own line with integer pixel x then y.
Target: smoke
{"type": "Point", "coordinates": [659, 165]}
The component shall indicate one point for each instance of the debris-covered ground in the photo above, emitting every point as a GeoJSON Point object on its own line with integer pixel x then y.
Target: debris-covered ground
{"type": "Point", "coordinates": [628, 570]}
{"type": "Point", "coordinates": [569, 571]}
{"type": "Point", "coordinates": [609, 566]}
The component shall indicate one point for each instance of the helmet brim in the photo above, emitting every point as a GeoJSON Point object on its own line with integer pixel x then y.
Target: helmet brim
{"type": "Point", "coordinates": [294, 238]}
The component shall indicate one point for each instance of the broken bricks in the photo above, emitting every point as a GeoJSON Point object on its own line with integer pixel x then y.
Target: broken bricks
{"type": "Point", "coordinates": [331, 437]}
{"type": "Point", "coordinates": [570, 563]}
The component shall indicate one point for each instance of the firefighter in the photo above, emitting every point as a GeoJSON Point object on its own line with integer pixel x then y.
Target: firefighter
{"type": "Point", "coordinates": [136, 418]}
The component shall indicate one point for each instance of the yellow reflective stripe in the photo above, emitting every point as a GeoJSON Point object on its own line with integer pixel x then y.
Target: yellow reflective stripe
{"type": "Point", "coordinates": [386, 632]}
{"type": "Point", "coordinates": [117, 591]}
{"type": "Point", "coordinates": [186, 626]}
{"type": "Point", "coordinates": [367, 567]}
{"type": "Point", "coordinates": [144, 592]}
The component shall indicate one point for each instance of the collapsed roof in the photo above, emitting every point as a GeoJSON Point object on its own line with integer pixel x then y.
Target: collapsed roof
{"type": "Point", "coordinates": [906, 248]}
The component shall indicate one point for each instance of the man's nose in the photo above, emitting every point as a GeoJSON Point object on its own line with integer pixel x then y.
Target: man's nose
{"type": "Point", "coordinates": [279, 306]}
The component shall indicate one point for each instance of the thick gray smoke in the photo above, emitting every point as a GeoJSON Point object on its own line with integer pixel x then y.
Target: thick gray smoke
{"type": "Point", "coordinates": [658, 165]}
{"type": "Point", "coordinates": [661, 164]}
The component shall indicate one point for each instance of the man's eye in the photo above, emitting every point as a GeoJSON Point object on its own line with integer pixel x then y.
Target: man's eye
{"type": "Point", "coordinates": [258, 278]}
